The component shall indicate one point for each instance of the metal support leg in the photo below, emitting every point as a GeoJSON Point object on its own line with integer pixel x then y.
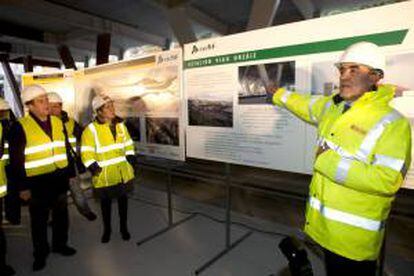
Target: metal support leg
{"type": "Point", "coordinates": [171, 223]}
{"type": "Point", "coordinates": [164, 230]}
{"type": "Point", "coordinates": [228, 246]}
{"type": "Point", "coordinates": [228, 206]}
{"type": "Point", "coordinates": [169, 197]}
{"type": "Point", "coordinates": [222, 253]}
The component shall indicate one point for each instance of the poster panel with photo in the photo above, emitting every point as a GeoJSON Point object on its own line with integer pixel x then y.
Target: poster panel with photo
{"type": "Point", "coordinates": [147, 96]}
{"type": "Point", "coordinates": [232, 119]}
{"type": "Point", "coordinates": [229, 115]}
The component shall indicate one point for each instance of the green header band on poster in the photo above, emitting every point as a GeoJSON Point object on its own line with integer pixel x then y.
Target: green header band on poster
{"type": "Point", "coordinates": [381, 39]}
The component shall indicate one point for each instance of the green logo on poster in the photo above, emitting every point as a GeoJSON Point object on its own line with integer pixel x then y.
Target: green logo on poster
{"type": "Point", "coordinates": [207, 47]}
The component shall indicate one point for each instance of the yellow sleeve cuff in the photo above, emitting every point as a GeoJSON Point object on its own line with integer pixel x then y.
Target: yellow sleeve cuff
{"type": "Point", "coordinates": [277, 97]}
{"type": "Point", "coordinates": [327, 163]}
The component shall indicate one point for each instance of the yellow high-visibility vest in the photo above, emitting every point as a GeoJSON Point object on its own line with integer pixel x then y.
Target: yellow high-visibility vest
{"type": "Point", "coordinates": [43, 154]}
{"type": "Point", "coordinates": [3, 178]}
{"type": "Point", "coordinates": [70, 127]}
{"type": "Point", "coordinates": [355, 180]}
{"type": "Point", "coordinates": [98, 145]}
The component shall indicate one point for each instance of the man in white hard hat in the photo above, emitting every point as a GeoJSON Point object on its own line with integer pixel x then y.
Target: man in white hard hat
{"type": "Point", "coordinates": [108, 152]}
{"type": "Point", "coordinates": [4, 268]}
{"type": "Point", "coordinates": [74, 132]}
{"type": "Point", "coordinates": [39, 161]}
{"type": "Point", "coordinates": [364, 150]}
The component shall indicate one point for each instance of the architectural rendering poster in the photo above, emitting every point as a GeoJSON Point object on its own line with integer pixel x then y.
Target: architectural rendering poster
{"type": "Point", "coordinates": [229, 116]}
{"type": "Point", "coordinates": [147, 95]}
{"type": "Point", "coordinates": [405, 106]}
{"type": "Point", "coordinates": [400, 71]}
{"type": "Point", "coordinates": [61, 82]}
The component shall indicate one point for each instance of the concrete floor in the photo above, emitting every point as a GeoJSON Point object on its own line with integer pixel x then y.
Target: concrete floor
{"type": "Point", "coordinates": [179, 251]}
{"type": "Point", "coordinates": [187, 247]}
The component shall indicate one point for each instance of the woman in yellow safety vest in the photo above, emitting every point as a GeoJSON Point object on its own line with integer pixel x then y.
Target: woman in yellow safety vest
{"type": "Point", "coordinates": [4, 268]}
{"type": "Point", "coordinates": [108, 152]}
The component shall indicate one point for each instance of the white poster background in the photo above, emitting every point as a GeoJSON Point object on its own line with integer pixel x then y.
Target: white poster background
{"type": "Point", "coordinates": [61, 82]}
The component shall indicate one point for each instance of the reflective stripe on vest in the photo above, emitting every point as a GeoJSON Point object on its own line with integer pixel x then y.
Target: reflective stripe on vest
{"type": "Point", "coordinates": [109, 148]}
{"type": "Point", "coordinates": [45, 161]}
{"type": "Point", "coordinates": [374, 134]}
{"type": "Point", "coordinates": [390, 162]}
{"type": "Point", "coordinates": [89, 162]}
{"type": "Point", "coordinates": [43, 154]}
{"type": "Point", "coordinates": [335, 148]}
{"type": "Point", "coordinates": [342, 170]}
{"type": "Point", "coordinates": [285, 97]}
{"type": "Point", "coordinates": [103, 149]}
{"type": "Point", "coordinates": [6, 156]}
{"type": "Point", "coordinates": [365, 149]}
{"type": "Point", "coordinates": [326, 107]}
{"type": "Point", "coordinates": [347, 218]}
{"type": "Point", "coordinates": [311, 103]}
{"type": "Point", "coordinates": [87, 148]}
{"type": "Point", "coordinates": [3, 189]}
{"type": "Point", "coordinates": [129, 143]}
{"type": "Point", "coordinates": [70, 127]}
{"type": "Point", "coordinates": [112, 161]}
{"type": "Point", "coordinates": [95, 135]}
{"type": "Point", "coordinates": [347, 158]}
{"type": "Point", "coordinates": [51, 145]}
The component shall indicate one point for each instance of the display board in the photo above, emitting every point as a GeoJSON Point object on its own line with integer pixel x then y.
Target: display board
{"type": "Point", "coordinates": [61, 82]}
{"type": "Point", "coordinates": [147, 94]}
{"type": "Point", "coordinates": [405, 105]}
{"type": "Point", "coordinates": [230, 119]}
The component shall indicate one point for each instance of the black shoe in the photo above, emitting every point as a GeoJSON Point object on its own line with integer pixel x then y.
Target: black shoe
{"type": "Point", "coordinates": [90, 216]}
{"type": "Point", "coordinates": [64, 250]}
{"type": "Point", "coordinates": [106, 237]}
{"type": "Point", "coordinates": [125, 235]}
{"type": "Point", "coordinates": [7, 270]}
{"type": "Point", "coordinates": [39, 264]}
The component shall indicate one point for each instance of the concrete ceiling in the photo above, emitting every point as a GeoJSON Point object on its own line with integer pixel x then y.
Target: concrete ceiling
{"type": "Point", "coordinates": [37, 27]}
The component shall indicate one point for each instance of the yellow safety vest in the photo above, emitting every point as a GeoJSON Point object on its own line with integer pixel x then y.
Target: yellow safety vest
{"type": "Point", "coordinates": [3, 178]}
{"type": "Point", "coordinates": [70, 127]}
{"type": "Point", "coordinates": [98, 145]}
{"type": "Point", "coordinates": [42, 154]}
{"type": "Point", "coordinates": [354, 182]}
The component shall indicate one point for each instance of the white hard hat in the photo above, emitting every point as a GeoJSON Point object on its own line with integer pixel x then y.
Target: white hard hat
{"type": "Point", "coordinates": [32, 91]}
{"type": "Point", "coordinates": [4, 105]}
{"type": "Point", "coordinates": [54, 97]}
{"type": "Point", "coordinates": [98, 101]}
{"type": "Point", "coordinates": [365, 53]}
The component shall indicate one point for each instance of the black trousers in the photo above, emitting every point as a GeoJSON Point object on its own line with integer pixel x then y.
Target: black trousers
{"type": "Point", "coordinates": [12, 202]}
{"type": "Point", "coordinates": [106, 209]}
{"type": "Point", "coordinates": [337, 266]}
{"type": "Point", "coordinates": [2, 237]}
{"type": "Point", "coordinates": [40, 205]}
